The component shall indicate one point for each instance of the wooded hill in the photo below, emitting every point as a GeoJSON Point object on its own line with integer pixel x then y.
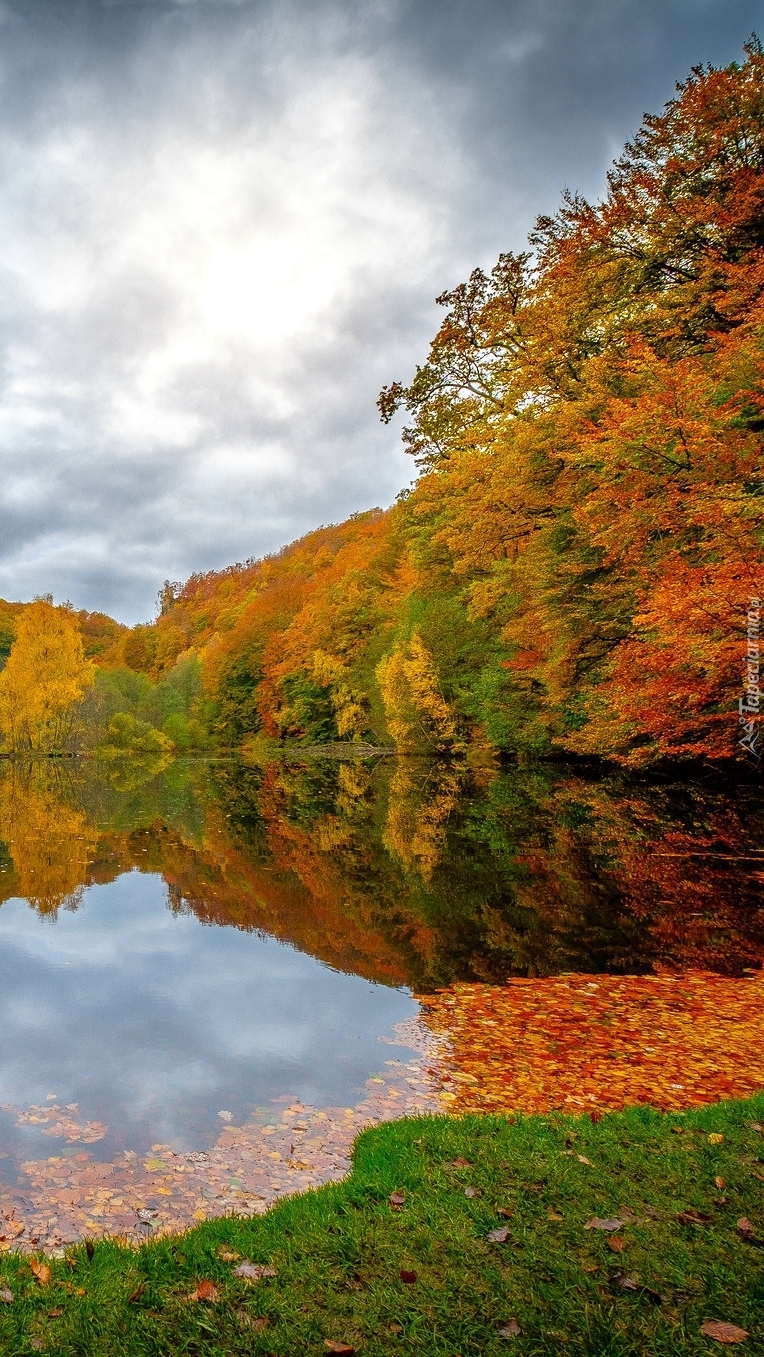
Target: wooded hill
{"type": "Point", "coordinates": [575, 567]}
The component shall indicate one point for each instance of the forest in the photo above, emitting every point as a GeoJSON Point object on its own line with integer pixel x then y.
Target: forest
{"type": "Point", "coordinates": [578, 567]}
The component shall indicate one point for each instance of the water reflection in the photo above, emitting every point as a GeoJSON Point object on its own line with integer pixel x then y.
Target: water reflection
{"type": "Point", "coordinates": [408, 873]}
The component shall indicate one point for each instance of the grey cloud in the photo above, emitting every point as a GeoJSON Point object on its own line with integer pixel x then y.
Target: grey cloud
{"type": "Point", "coordinates": [226, 223]}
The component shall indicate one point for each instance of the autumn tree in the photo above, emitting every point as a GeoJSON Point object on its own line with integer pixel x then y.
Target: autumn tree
{"type": "Point", "coordinates": [43, 681]}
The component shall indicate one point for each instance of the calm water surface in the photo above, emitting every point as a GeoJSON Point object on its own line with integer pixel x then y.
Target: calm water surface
{"type": "Point", "coordinates": [201, 938]}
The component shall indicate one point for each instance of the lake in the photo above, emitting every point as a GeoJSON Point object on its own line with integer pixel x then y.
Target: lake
{"type": "Point", "coordinates": [186, 948]}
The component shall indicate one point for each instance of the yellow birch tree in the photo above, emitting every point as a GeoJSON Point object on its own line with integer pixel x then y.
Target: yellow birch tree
{"type": "Point", "coordinates": [43, 681]}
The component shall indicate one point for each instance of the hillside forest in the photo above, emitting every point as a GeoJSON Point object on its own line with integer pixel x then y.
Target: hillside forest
{"type": "Point", "coordinates": [577, 569]}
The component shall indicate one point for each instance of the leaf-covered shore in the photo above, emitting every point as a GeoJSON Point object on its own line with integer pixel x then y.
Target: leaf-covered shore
{"type": "Point", "coordinates": [637, 1232]}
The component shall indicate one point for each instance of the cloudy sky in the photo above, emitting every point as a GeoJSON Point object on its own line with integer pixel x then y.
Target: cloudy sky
{"type": "Point", "coordinates": [224, 225]}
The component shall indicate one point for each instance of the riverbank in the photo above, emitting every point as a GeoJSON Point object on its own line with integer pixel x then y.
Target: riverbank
{"type": "Point", "coordinates": [637, 1232]}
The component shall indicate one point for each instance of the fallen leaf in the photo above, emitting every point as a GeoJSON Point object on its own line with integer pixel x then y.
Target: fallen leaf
{"type": "Point", "coordinates": [206, 1291]}
{"type": "Point", "coordinates": [346, 1349]}
{"type": "Point", "coordinates": [616, 1242]}
{"type": "Point", "coordinates": [554, 1214]}
{"type": "Point", "coordinates": [6, 1296]}
{"type": "Point", "coordinates": [720, 1183]}
{"type": "Point", "coordinates": [498, 1236]}
{"type": "Point", "coordinates": [138, 1292]}
{"type": "Point", "coordinates": [716, 1139]}
{"type": "Point", "coordinates": [470, 1192]}
{"type": "Point", "coordinates": [628, 1283]}
{"type": "Point", "coordinates": [591, 1267]}
{"type": "Point", "coordinates": [757, 1126]}
{"type": "Point", "coordinates": [610, 1223]}
{"type": "Point", "coordinates": [692, 1217]}
{"type": "Point", "coordinates": [461, 1163]}
{"type": "Point", "coordinates": [582, 1159]}
{"type": "Point", "coordinates": [395, 1328]}
{"type": "Point", "coordinates": [505, 1213]}
{"type": "Point", "coordinates": [722, 1331]}
{"type": "Point", "coordinates": [55, 1314]}
{"type": "Point", "coordinates": [407, 1275]}
{"type": "Point", "coordinates": [253, 1272]}
{"type": "Point", "coordinates": [510, 1330]}
{"type": "Point", "coordinates": [41, 1271]}
{"type": "Point", "coordinates": [228, 1255]}
{"type": "Point", "coordinates": [89, 1248]}
{"type": "Point", "coordinates": [396, 1200]}
{"type": "Point", "coordinates": [225, 1115]}
{"type": "Point", "coordinates": [251, 1321]}
{"type": "Point", "coordinates": [147, 1213]}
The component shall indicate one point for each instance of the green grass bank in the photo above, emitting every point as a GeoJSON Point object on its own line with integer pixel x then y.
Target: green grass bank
{"type": "Point", "coordinates": [427, 1272]}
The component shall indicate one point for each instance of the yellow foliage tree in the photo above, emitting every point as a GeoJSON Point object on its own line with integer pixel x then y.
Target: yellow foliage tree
{"type": "Point", "coordinates": [416, 711]}
{"type": "Point", "coordinates": [43, 681]}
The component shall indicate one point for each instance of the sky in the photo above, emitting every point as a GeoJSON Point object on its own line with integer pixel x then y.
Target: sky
{"type": "Point", "coordinates": [224, 225]}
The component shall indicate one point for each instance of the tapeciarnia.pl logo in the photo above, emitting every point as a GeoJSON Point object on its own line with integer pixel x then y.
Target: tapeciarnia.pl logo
{"type": "Point", "coordinates": [749, 706]}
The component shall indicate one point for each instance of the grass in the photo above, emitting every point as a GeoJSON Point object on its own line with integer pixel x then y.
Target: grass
{"type": "Point", "coordinates": [338, 1252]}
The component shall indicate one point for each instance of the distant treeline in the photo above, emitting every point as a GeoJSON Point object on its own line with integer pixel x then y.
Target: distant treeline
{"type": "Point", "coordinates": [575, 567]}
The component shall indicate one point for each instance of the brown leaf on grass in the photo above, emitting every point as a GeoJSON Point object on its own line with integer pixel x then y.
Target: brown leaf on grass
{"type": "Point", "coordinates": [744, 1225]}
{"type": "Point", "coordinates": [345, 1349]}
{"type": "Point", "coordinates": [470, 1192]}
{"type": "Point", "coordinates": [554, 1214]}
{"type": "Point", "coordinates": [692, 1217]}
{"type": "Point", "coordinates": [756, 1126]}
{"type": "Point", "coordinates": [719, 1182]}
{"type": "Point", "coordinates": [89, 1249]}
{"type": "Point", "coordinates": [228, 1255]}
{"type": "Point", "coordinates": [609, 1223]}
{"type": "Point", "coordinates": [6, 1296]}
{"type": "Point", "coordinates": [510, 1330]}
{"type": "Point", "coordinates": [249, 1321]}
{"type": "Point", "coordinates": [395, 1328]}
{"type": "Point", "coordinates": [55, 1314]}
{"type": "Point", "coordinates": [498, 1236]}
{"type": "Point", "coordinates": [505, 1213]}
{"type": "Point", "coordinates": [461, 1163]}
{"type": "Point", "coordinates": [616, 1242]}
{"type": "Point", "coordinates": [206, 1291]}
{"type": "Point", "coordinates": [582, 1159]}
{"type": "Point", "coordinates": [595, 1117]}
{"type": "Point", "coordinates": [715, 1138]}
{"type": "Point", "coordinates": [591, 1267]}
{"type": "Point", "coordinates": [253, 1272]}
{"type": "Point", "coordinates": [722, 1331]}
{"type": "Point", "coordinates": [396, 1200]}
{"type": "Point", "coordinates": [407, 1275]}
{"type": "Point", "coordinates": [137, 1293]}
{"type": "Point", "coordinates": [41, 1271]}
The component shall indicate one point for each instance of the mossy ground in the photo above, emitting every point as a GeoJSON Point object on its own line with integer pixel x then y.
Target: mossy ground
{"type": "Point", "coordinates": [338, 1252]}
